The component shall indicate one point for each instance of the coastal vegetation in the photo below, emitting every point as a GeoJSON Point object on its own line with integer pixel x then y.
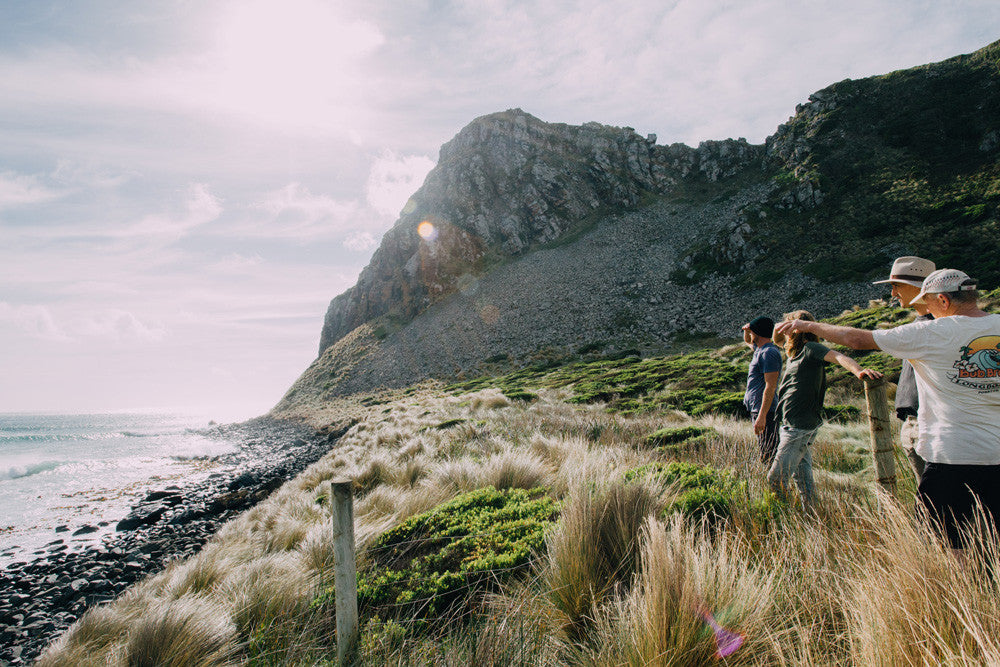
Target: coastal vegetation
{"type": "Point", "coordinates": [596, 522]}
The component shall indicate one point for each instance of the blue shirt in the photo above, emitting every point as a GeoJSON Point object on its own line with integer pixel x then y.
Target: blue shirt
{"type": "Point", "coordinates": [766, 359]}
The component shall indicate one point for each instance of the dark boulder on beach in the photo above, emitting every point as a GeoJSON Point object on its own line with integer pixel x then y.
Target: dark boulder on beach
{"type": "Point", "coordinates": [142, 515]}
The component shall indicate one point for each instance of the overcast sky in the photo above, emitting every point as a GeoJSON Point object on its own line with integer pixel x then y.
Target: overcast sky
{"type": "Point", "coordinates": [185, 185]}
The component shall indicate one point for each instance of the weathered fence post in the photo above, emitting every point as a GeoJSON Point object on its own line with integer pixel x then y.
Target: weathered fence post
{"type": "Point", "coordinates": [344, 569]}
{"type": "Point", "coordinates": [878, 421]}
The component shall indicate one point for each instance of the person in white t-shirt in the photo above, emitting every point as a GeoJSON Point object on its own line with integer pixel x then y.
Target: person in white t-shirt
{"type": "Point", "coordinates": [956, 359]}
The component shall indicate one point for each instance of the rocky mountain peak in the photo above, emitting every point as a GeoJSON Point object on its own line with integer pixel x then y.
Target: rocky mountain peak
{"type": "Point", "coordinates": [506, 183]}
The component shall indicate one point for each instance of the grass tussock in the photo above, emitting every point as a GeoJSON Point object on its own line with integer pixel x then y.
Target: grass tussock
{"type": "Point", "coordinates": [514, 470]}
{"type": "Point", "coordinates": [686, 574]}
{"type": "Point", "coordinates": [595, 550]}
{"type": "Point", "coordinates": [190, 631]}
{"type": "Point", "coordinates": [198, 576]}
{"type": "Point", "coordinates": [90, 638]}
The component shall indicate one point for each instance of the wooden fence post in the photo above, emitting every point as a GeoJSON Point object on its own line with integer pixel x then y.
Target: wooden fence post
{"type": "Point", "coordinates": [881, 430]}
{"type": "Point", "coordinates": [345, 570]}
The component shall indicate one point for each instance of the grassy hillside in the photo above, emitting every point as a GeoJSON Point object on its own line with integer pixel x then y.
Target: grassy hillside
{"type": "Point", "coordinates": [906, 163]}
{"type": "Point", "coordinates": [589, 512]}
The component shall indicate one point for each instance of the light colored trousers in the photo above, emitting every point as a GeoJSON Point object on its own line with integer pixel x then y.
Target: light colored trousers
{"type": "Point", "coordinates": [793, 460]}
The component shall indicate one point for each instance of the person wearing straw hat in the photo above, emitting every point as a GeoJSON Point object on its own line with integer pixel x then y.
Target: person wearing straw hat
{"type": "Point", "coordinates": [956, 361]}
{"type": "Point", "coordinates": [906, 277]}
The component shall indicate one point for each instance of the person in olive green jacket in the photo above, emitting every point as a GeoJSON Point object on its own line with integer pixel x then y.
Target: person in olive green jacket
{"type": "Point", "coordinates": [800, 405]}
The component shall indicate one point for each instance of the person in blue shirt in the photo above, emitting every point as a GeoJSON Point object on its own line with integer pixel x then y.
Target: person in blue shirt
{"type": "Point", "coordinates": [762, 381]}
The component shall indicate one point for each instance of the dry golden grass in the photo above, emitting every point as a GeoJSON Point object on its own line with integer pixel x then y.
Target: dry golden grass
{"type": "Point", "coordinates": [199, 575]}
{"type": "Point", "coordinates": [91, 640]}
{"type": "Point", "coordinates": [189, 631]}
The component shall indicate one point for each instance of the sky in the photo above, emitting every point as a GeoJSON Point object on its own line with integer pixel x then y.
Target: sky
{"type": "Point", "coordinates": [185, 184]}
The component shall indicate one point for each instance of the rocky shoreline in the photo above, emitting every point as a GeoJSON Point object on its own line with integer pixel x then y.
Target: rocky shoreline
{"type": "Point", "coordinates": [42, 597]}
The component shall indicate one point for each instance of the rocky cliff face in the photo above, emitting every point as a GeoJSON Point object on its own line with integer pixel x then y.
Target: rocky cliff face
{"type": "Point", "coordinates": [508, 183]}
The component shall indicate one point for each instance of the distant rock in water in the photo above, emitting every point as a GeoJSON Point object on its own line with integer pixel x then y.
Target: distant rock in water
{"type": "Point", "coordinates": [532, 239]}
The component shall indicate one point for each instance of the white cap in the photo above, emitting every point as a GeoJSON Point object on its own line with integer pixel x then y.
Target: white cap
{"type": "Point", "coordinates": [944, 281]}
{"type": "Point", "coordinates": [909, 270]}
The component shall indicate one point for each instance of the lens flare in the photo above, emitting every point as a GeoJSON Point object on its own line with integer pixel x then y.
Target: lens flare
{"type": "Point", "coordinates": [726, 641]}
{"type": "Point", "coordinates": [427, 231]}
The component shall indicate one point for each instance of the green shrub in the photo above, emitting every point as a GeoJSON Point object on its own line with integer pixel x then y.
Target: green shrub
{"type": "Point", "coordinates": [702, 490]}
{"type": "Point", "coordinates": [437, 559]}
{"type": "Point", "coordinates": [838, 459]}
{"type": "Point", "coordinates": [682, 473]}
{"type": "Point", "coordinates": [670, 436]}
{"type": "Point", "coordinates": [520, 395]}
{"type": "Point", "coordinates": [878, 314]}
{"type": "Point", "coordinates": [711, 501]}
{"type": "Point", "coordinates": [699, 383]}
{"type": "Point", "coordinates": [880, 361]}
{"type": "Point", "coordinates": [765, 512]}
{"type": "Point", "coordinates": [695, 444]}
{"type": "Point", "coordinates": [723, 403]}
{"type": "Point", "coordinates": [380, 636]}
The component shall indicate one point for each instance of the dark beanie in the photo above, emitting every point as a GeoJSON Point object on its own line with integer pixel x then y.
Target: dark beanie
{"type": "Point", "coordinates": [762, 326]}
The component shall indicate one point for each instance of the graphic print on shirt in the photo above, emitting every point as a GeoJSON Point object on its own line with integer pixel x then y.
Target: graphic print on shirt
{"type": "Point", "coordinates": [979, 365]}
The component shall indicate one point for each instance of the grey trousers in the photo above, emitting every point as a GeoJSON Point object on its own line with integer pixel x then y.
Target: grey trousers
{"type": "Point", "coordinates": [794, 460]}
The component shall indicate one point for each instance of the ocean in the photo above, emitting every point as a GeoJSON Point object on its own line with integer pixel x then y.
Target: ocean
{"type": "Point", "coordinates": [61, 473]}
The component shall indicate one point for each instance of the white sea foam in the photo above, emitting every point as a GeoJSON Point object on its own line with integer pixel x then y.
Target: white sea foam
{"type": "Point", "coordinates": [75, 470]}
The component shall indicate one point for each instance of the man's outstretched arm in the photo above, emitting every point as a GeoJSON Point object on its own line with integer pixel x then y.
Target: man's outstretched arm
{"type": "Point", "coordinates": [856, 339]}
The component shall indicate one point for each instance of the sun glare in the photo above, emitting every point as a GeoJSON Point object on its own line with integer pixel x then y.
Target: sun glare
{"type": "Point", "coordinates": [293, 62]}
{"type": "Point", "coordinates": [427, 231]}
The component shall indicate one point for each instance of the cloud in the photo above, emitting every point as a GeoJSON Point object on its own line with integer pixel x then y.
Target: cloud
{"type": "Point", "coordinates": [121, 325]}
{"type": "Point", "coordinates": [34, 320]}
{"type": "Point", "coordinates": [23, 190]}
{"type": "Point", "coordinates": [295, 212]}
{"type": "Point", "coordinates": [90, 176]}
{"type": "Point", "coordinates": [237, 264]}
{"type": "Point", "coordinates": [360, 241]}
{"type": "Point", "coordinates": [75, 288]}
{"type": "Point", "coordinates": [296, 199]}
{"type": "Point", "coordinates": [115, 324]}
{"type": "Point", "coordinates": [199, 207]}
{"type": "Point", "coordinates": [687, 70]}
{"type": "Point", "coordinates": [393, 178]}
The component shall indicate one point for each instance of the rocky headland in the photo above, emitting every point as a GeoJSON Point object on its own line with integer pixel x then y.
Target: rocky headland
{"type": "Point", "coordinates": [539, 238]}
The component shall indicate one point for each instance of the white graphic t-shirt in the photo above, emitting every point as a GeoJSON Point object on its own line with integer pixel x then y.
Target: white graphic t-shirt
{"type": "Point", "coordinates": [957, 365]}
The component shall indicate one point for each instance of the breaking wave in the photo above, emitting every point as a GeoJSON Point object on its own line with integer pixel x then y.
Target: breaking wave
{"type": "Point", "coordinates": [27, 469]}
